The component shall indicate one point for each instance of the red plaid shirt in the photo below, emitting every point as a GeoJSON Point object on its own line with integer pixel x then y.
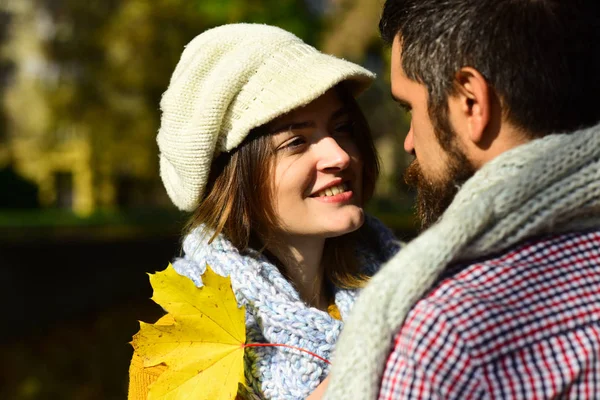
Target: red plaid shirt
{"type": "Point", "coordinates": [523, 325]}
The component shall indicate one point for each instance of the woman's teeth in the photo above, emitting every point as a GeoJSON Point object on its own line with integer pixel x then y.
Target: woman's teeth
{"type": "Point", "coordinates": [332, 191]}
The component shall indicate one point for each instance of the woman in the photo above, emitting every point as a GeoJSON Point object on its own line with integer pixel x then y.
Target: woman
{"type": "Point", "coordinates": [261, 138]}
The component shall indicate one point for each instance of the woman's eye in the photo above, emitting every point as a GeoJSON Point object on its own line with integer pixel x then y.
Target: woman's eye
{"type": "Point", "coordinates": [293, 143]}
{"type": "Point", "coordinates": [345, 128]}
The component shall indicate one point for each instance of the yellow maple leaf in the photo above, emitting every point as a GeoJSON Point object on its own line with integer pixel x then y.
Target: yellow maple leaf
{"type": "Point", "coordinates": [203, 348]}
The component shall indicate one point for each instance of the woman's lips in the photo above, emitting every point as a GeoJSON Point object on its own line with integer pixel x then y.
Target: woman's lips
{"type": "Point", "coordinates": [337, 198]}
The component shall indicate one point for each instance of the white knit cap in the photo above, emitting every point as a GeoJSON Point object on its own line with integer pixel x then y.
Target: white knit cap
{"type": "Point", "coordinates": [229, 80]}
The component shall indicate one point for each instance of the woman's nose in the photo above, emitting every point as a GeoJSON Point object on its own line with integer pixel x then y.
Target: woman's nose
{"type": "Point", "coordinates": [332, 155]}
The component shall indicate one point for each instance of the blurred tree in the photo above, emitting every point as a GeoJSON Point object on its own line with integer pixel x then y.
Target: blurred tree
{"type": "Point", "coordinates": [301, 17]}
{"type": "Point", "coordinates": [114, 60]}
{"type": "Point", "coordinates": [351, 28]}
{"type": "Point", "coordinates": [5, 71]}
{"type": "Point", "coordinates": [111, 60]}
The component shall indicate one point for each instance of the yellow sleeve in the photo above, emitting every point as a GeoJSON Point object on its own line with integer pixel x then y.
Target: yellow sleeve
{"type": "Point", "coordinates": [140, 377]}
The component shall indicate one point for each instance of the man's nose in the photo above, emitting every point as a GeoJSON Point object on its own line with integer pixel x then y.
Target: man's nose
{"type": "Point", "coordinates": [332, 155]}
{"type": "Point", "coordinates": [409, 142]}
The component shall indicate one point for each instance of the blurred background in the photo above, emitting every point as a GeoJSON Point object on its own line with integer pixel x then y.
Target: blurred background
{"type": "Point", "coordinates": [83, 215]}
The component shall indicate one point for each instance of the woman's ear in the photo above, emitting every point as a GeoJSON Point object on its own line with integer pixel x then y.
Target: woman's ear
{"type": "Point", "coordinates": [474, 103]}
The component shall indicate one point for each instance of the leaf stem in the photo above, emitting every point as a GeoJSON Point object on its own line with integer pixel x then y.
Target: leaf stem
{"type": "Point", "coordinates": [285, 345]}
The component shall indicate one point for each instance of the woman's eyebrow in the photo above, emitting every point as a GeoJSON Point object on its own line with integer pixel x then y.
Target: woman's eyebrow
{"type": "Point", "coordinates": [341, 112]}
{"type": "Point", "coordinates": [285, 126]}
{"type": "Point", "coordinates": [289, 126]}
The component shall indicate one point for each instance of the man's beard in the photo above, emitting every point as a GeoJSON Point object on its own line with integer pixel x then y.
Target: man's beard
{"type": "Point", "coordinates": [435, 196]}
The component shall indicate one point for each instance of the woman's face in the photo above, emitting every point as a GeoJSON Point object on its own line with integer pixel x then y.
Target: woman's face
{"type": "Point", "coordinates": [318, 170]}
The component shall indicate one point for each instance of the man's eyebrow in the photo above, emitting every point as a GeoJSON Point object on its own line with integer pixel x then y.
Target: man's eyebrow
{"type": "Point", "coordinates": [403, 103]}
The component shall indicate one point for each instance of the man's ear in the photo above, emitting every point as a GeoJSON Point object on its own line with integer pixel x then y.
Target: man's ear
{"type": "Point", "coordinates": [474, 102]}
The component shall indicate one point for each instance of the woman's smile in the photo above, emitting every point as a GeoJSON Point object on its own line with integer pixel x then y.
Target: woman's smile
{"type": "Point", "coordinates": [342, 197]}
{"type": "Point", "coordinates": [334, 193]}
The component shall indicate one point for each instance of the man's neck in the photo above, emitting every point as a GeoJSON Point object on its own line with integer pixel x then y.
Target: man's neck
{"type": "Point", "coordinates": [506, 138]}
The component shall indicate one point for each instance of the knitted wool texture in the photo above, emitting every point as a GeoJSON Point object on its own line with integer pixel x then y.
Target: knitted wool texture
{"type": "Point", "coordinates": [549, 185]}
{"type": "Point", "coordinates": [229, 80]}
{"type": "Point", "coordinates": [276, 314]}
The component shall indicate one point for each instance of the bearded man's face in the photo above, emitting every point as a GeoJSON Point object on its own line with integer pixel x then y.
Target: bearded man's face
{"type": "Point", "coordinates": [440, 165]}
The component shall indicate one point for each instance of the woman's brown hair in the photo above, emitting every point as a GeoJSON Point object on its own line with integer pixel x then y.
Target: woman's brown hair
{"type": "Point", "coordinates": [238, 199]}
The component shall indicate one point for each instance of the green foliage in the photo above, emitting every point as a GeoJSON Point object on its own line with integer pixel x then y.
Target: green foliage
{"type": "Point", "coordinates": [292, 15]}
{"type": "Point", "coordinates": [5, 70]}
{"type": "Point", "coordinates": [115, 59]}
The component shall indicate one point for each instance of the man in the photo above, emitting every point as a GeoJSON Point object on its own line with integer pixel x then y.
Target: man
{"type": "Point", "coordinates": [499, 296]}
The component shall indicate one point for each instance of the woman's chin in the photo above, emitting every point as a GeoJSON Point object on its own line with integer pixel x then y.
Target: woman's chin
{"type": "Point", "coordinates": [350, 223]}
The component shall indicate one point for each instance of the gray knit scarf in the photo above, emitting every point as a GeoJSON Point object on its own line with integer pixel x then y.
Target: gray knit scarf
{"type": "Point", "coordinates": [548, 185]}
{"type": "Point", "coordinates": [276, 314]}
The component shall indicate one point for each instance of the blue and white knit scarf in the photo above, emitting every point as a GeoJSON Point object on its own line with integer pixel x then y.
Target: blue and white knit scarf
{"type": "Point", "coordinates": [276, 314]}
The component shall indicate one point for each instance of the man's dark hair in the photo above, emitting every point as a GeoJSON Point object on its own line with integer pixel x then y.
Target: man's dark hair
{"type": "Point", "coordinates": [540, 56]}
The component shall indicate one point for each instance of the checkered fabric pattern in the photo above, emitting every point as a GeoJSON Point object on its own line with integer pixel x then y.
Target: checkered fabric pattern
{"type": "Point", "coordinates": [522, 325]}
